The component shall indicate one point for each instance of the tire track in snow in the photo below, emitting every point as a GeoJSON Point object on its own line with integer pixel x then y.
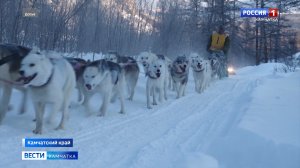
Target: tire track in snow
{"type": "Point", "coordinates": [134, 136]}
{"type": "Point", "coordinates": [197, 131]}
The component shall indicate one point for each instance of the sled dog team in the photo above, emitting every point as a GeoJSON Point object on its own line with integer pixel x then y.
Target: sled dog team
{"type": "Point", "coordinates": [51, 79]}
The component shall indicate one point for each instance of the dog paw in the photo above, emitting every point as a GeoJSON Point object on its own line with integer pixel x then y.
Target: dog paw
{"type": "Point", "coordinates": [88, 114]}
{"type": "Point", "coordinates": [9, 108]}
{"type": "Point", "coordinates": [149, 107]}
{"type": "Point", "coordinates": [49, 121]}
{"type": "Point", "coordinates": [100, 115]}
{"type": "Point", "coordinates": [122, 112]}
{"type": "Point", "coordinates": [37, 131]}
{"type": "Point", "coordinates": [154, 103]}
{"type": "Point", "coordinates": [21, 112]}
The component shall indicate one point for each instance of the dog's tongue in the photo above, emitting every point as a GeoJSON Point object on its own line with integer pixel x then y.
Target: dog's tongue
{"type": "Point", "coordinates": [178, 69]}
{"type": "Point", "coordinates": [89, 87]}
{"type": "Point", "coordinates": [22, 78]}
{"type": "Point", "coordinates": [182, 68]}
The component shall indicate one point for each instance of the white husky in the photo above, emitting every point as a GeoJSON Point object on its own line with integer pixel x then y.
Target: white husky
{"type": "Point", "coordinates": [156, 81]}
{"type": "Point", "coordinates": [50, 81]}
{"type": "Point", "coordinates": [107, 78]}
{"type": "Point", "coordinates": [147, 58]}
{"type": "Point", "coordinates": [202, 73]}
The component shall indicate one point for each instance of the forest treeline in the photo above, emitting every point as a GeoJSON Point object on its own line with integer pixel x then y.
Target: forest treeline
{"type": "Point", "coordinates": [170, 27]}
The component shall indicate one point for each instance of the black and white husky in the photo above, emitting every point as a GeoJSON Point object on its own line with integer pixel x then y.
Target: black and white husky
{"type": "Point", "coordinates": [50, 81]}
{"type": "Point", "coordinates": [131, 70]}
{"type": "Point", "coordinates": [180, 73]}
{"type": "Point", "coordinates": [78, 65]}
{"type": "Point", "coordinates": [107, 78]}
{"type": "Point", "coordinates": [10, 60]}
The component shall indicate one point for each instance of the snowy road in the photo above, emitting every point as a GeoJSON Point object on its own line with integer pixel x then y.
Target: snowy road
{"type": "Point", "coordinates": [208, 130]}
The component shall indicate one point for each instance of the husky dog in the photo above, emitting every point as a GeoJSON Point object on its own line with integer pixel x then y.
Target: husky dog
{"type": "Point", "coordinates": [50, 81]}
{"type": "Point", "coordinates": [105, 77]}
{"type": "Point", "coordinates": [78, 65]}
{"type": "Point", "coordinates": [147, 58]}
{"type": "Point", "coordinates": [155, 81]}
{"type": "Point", "coordinates": [168, 62]}
{"type": "Point", "coordinates": [201, 72]}
{"type": "Point", "coordinates": [179, 73]}
{"type": "Point", "coordinates": [131, 70]}
{"type": "Point", "coordinates": [171, 83]}
{"type": "Point", "coordinates": [10, 58]}
{"type": "Point", "coordinates": [215, 65]}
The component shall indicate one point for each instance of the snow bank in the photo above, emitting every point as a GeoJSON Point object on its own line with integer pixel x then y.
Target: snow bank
{"type": "Point", "coordinates": [274, 112]}
{"type": "Point", "coordinates": [260, 70]}
{"type": "Point", "coordinates": [268, 134]}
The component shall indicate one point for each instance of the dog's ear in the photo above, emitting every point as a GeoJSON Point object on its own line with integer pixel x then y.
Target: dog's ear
{"type": "Point", "coordinates": [23, 50]}
{"type": "Point", "coordinates": [35, 50]}
{"type": "Point", "coordinates": [103, 65]}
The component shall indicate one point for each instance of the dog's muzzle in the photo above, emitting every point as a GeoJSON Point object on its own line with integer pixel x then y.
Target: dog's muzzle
{"type": "Point", "coordinates": [182, 68]}
{"type": "Point", "coordinates": [26, 79]}
{"type": "Point", "coordinates": [88, 87]}
{"type": "Point", "coordinates": [158, 74]}
{"type": "Point", "coordinates": [199, 66]}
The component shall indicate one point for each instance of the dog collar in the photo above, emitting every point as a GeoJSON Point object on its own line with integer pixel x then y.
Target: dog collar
{"type": "Point", "coordinates": [47, 82]}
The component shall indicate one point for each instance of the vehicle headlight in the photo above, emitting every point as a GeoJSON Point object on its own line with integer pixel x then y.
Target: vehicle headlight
{"type": "Point", "coordinates": [230, 69]}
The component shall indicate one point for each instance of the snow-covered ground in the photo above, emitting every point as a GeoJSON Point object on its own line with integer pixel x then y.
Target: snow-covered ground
{"type": "Point", "coordinates": [250, 120]}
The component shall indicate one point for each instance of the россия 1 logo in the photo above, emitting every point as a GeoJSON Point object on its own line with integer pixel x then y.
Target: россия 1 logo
{"type": "Point", "coordinates": [260, 12]}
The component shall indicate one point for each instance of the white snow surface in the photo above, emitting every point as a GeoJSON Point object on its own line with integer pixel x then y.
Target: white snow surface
{"type": "Point", "coordinates": [249, 120]}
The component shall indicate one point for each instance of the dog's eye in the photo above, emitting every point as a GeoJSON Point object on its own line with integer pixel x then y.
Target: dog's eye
{"type": "Point", "coordinates": [159, 65]}
{"type": "Point", "coordinates": [31, 65]}
{"type": "Point", "coordinates": [93, 76]}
